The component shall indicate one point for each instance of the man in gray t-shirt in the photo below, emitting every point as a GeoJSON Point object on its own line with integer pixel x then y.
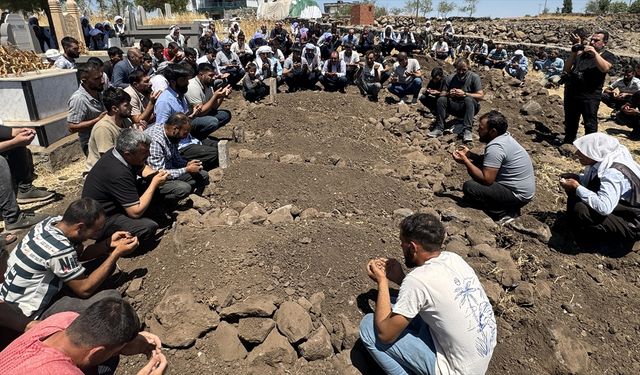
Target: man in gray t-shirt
{"type": "Point", "coordinates": [460, 95]}
{"type": "Point", "coordinates": [502, 179]}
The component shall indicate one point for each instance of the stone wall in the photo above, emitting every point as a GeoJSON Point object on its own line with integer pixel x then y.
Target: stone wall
{"type": "Point", "coordinates": [549, 31]}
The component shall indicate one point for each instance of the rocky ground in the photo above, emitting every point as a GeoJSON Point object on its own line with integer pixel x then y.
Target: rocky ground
{"type": "Point", "coordinates": [265, 274]}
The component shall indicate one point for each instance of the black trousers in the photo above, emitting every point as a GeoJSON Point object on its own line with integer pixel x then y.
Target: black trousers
{"type": "Point", "coordinates": [20, 163]}
{"type": "Point", "coordinates": [576, 106]}
{"type": "Point", "coordinates": [613, 102]}
{"type": "Point", "coordinates": [466, 108]}
{"type": "Point", "coordinates": [620, 225]}
{"type": "Point", "coordinates": [430, 102]}
{"type": "Point", "coordinates": [143, 228]}
{"type": "Point", "coordinates": [495, 200]}
{"type": "Point", "coordinates": [256, 93]}
{"type": "Point", "coordinates": [177, 189]}
{"type": "Point", "coordinates": [207, 153]}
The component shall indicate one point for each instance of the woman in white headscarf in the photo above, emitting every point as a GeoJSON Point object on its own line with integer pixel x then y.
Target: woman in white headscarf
{"type": "Point", "coordinates": [605, 199]}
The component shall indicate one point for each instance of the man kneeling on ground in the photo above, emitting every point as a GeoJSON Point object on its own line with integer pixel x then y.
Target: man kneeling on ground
{"type": "Point", "coordinates": [603, 201]}
{"type": "Point", "coordinates": [89, 342]}
{"type": "Point", "coordinates": [442, 321]}
{"type": "Point", "coordinates": [502, 179]}
{"type": "Point", "coordinates": [49, 257]}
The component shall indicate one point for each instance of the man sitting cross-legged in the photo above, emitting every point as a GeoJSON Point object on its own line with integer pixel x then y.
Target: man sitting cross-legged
{"type": "Point", "coordinates": [626, 86]}
{"type": "Point", "coordinates": [124, 186]}
{"type": "Point", "coordinates": [460, 95]}
{"type": "Point", "coordinates": [185, 176]}
{"type": "Point", "coordinates": [334, 74]}
{"type": "Point", "coordinates": [50, 255]}
{"type": "Point", "coordinates": [370, 76]}
{"type": "Point", "coordinates": [442, 321]}
{"type": "Point", "coordinates": [86, 343]}
{"type": "Point", "coordinates": [502, 179]}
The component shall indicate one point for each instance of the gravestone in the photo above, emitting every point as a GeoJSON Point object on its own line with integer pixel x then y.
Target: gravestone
{"type": "Point", "coordinates": [5, 30]}
{"type": "Point", "coordinates": [142, 14]}
{"type": "Point", "coordinates": [20, 34]}
{"type": "Point", "coordinates": [167, 10]}
{"type": "Point", "coordinates": [133, 25]}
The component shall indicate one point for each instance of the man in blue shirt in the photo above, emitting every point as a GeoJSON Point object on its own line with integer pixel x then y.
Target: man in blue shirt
{"type": "Point", "coordinates": [206, 118]}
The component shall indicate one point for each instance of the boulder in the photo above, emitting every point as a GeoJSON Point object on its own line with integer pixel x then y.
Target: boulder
{"type": "Point", "coordinates": [230, 349]}
{"type": "Point", "coordinates": [255, 330]}
{"type": "Point", "coordinates": [253, 213]}
{"type": "Point", "coordinates": [523, 295]}
{"type": "Point", "coordinates": [318, 346]}
{"type": "Point", "coordinates": [401, 213]}
{"type": "Point", "coordinates": [134, 288]}
{"type": "Point", "coordinates": [493, 254]}
{"type": "Point", "coordinates": [216, 175]}
{"type": "Point", "coordinates": [281, 215]}
{"type": "Point", "coordinates": [529, 225]}
{"type": "Point", "coordinates": [316, 303]}
{"type": "Point", "coordinates": [229, 216]}
{"type": "Point", "coordinates": [258, 306]}
{"type": "Point", "coordinates": [201, 204]}
{"type": "Point", "coordinates": [291, 159]}
{"type": "Point", "coordinates": [293, 321]}
{"type": "Point", "coordinates": [569, 351]}
{"type": "Point", "coordinates": [478, 236]}
{"type": "Point", "coordinates": [274, 350]}
{"type": "Point", "coordinates": [457, 247]}
{"type": "Point", "coordinates": [309, 213]}
{"type": "Point", "coordinates": [493, 290]}
{"type": "Point", "coordinates": [180, 320]}
{"type": "Point", "coordinates": [346, 333]}
{"type": "Point", "coordinates": [531, 108]}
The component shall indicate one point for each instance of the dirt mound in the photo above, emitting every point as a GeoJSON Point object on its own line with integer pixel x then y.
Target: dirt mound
{"type": "Point", "coordinates": [317, 188]}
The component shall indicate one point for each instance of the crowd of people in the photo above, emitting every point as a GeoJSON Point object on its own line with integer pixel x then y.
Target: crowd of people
{"type": "Point", "coordinates": [145, 124]}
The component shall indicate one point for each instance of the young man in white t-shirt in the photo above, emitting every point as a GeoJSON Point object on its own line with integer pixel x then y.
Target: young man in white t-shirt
{"type": "Point", "coordinates": [442, 321]}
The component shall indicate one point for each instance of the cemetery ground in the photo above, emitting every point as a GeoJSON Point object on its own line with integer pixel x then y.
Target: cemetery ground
{"type": "Point", "coordinates": [265, 274]}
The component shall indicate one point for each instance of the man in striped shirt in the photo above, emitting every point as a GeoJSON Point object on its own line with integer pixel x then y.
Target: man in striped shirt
{"type": "Point", "coordinates": [50, 256]}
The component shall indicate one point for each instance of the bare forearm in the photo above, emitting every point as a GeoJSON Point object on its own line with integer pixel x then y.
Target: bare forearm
{"type": "Point", "coordinates": [95, 250]}
{"type": "Point", "coordinates": [474, 172]}
{"type": "Point", "coordinates": [86, 287]}
{"type": "Point", "coordinates": [383, 303]}
{"type": "Point", "coordinates": [211, 104]}
{"type": "Point", "coordinates": [7, 145]}
{"type": "Point", "coordinates": [147, 114]}
{"type": "Point", "coordinates": [84, 125]}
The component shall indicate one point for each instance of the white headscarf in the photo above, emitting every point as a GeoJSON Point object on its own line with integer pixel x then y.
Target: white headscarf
{"type": "Point", "coordinates": [268, 51]}
{"type": "Point", "coordinates": [605, 150]}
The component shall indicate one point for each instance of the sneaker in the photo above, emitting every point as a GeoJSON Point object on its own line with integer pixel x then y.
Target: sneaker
{"type": "Point", "coordinates": [467, 137]}
{"type": "Point", "coordinates": [505, 220]}
{"type": "Point", "coordinates": [414, 100]}
{"type": "Point", "coordinates": [25, 220]}
{"type": "Point", "coordinates": [405, 99]}
{"type": "Point", "coordinates": [449, 130]}
{"type": "Point", "coordinates": [435, 133]}
{"type": "Point", "coordinates": [34, 195]}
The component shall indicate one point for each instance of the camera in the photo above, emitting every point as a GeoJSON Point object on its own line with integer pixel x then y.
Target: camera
{"type": "Point", "coordinates": [577, 47]}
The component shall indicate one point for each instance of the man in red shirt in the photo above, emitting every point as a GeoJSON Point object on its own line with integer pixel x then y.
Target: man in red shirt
{"type": "Point", "coordinates": [68, 343]}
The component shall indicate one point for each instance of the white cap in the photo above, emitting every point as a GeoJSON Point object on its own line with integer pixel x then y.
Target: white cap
{"type": "Point", "coordinates": [448, 23]}
{"type": "Point", "coordinates": [117, 18]}
{"type": "Point", "coordinates": [52, 54]}
{"type": "Point", "coordinates": [264, 49]}
{"type": "Point", "coordinates": [519, 52]}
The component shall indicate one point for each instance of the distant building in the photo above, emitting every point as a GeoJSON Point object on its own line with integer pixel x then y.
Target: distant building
{"type": "Point", "coordinates": [217, 7]}
{"type": "Point", "coordinates": [333, 8]}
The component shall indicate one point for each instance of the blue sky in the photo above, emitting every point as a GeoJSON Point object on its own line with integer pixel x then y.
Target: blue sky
{"type": "Point", "coordinates": [494, 8]}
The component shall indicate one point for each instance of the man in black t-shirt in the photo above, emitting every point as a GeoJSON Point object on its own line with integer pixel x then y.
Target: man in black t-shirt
{"type": "Point", "coordinates": [460, 95]}
{"type": "Point", "coordinates": [587, 68]}
{"type": "Point", "coordinates": [429, 97]}
{"type": "Point", "coordinates": [113, 182]}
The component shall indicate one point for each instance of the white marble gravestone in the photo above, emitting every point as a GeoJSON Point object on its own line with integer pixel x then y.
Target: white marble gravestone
{"type": "Point", "coordinates": [142, 14]}
{"type": "Point", "coordinates": [20, 34]}
{"type": "Point", "coordinates": [167, 10]}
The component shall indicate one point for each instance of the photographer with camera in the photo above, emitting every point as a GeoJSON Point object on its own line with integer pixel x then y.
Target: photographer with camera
{"type": "Point", "coordinates": [586, 70]}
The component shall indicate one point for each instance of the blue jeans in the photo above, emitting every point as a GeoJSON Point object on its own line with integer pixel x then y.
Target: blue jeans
{"type": "Point", "coordinates": [403, 89]}
{"type": "Point", "coordinates": [412, 353]}
{"type": "Point", "coordinates": [202, 126]}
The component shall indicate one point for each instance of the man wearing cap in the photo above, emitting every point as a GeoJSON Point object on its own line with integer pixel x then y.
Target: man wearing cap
{"type": "Point", "coordinates": [267, 65]}
{"type": "Point", "coordinates": [52, 55]}
{"type": "Point", "coordinates": [448, 32]}
{"type": "Point", "coordinates": [229, 62]}
{"type": "Point", "coordinates": [518, 66]}
{"type": "Point", "coordinates": [427, 35]}
{"type": "Point", "coordinates": [311, 58]}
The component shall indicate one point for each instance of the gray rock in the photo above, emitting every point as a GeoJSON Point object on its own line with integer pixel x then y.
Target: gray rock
{"type": "Point", "coordinates": [255, 330]}
{"type": "Point", "coordinates": [273, 351]}
{"type": "Point", "coordinates": [457, 247]}
{"type": "Point", "coordinates": [253, 213]}
{"type": "Point", "coordinates": [230, 349]}
{"type": "Point", "coordinates": [346, 333]}
{"type": "Point", "coordinates": [529, 225]}
{"type": "Point", "coordinates": [493, 254]}
{"type": "Point", "coordinates": [401, 213]}
{"type": "Point", "coordinates": [180, 320]}
{"type": "Point", "coordinates": [201, 204]}
{"type": "Point", "coordinates": [478, 236]}
{"type": "Point", "coordinates": [316, 302]}
{"type": "Point", "coordinates": [135, 287]}
{"type": "Point", "coordinates": [258, 306]}
{"type": "Point", "coordinates": [293, 321]}
{"type": "Point", "coordinates": [531, 108]}
{"type": "Point", "coordinates": [523, 295]}
{"type": "Point", "coordinates": [418, 157]}
{"type": "Point", "coordinates": [569, 351]}
{"type": "Point", "coordinates": [309, 213]}
{"type": "Point", "coordinates": [493, 290]}
{"type": "Point", "coordinates": [216, 175]}
{"type": "Point", "coordinates": [281, 215]}
{"type": "Point", "coordinates": [567, 150]}
{"type": "Point", "coordinates": [318, 346]}
{"type": "Point", "coordinates": [291, 159]}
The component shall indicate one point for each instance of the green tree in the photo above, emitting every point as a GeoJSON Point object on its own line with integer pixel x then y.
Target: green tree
{"type": "Point", "coordinates": [176, 5]}
{"type": "Point", "coordinates": [395, 11]}
{"type": "Point", "coordinates": [446, 7]}
{"type": "Point", "coordinates": [618, 7]}
{"type": "Point", "coordinates": [469, 7]}
{"type": "Point", "coordinates": [634, 7]}
{"type": "Point", "coordinates": [567, 6]}
{"type": "Point", "coordinates": [597, 6]}
{"type": "Point", "coordinates": [419, 7]}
